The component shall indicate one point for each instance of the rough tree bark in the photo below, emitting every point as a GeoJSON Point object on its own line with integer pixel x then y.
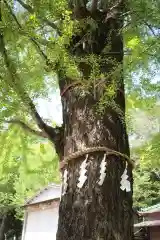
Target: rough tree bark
{"type": "Point", "coordinates": [3, 227]}
{"type": "Point", "coordinates": [92, 212]}
{"type": "Point", "coordinates": [96, 212]}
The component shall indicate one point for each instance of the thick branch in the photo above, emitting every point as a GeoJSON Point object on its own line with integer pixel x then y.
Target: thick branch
{"type": "Point", "coordinates": [17, 87]}
{"type": "Point", "coordinates": [80, 11]}
{"type": "Point", "coordinates": [94, 5]}
{"type": "Point", "coordinates": [27, 128]}
{"type": "Point", "coordinates": [55, 135]}
{"type": "Point", "coordinates": [118, 3]}
{"type": "Point", "coordinates": [112, 11]}
{"type": "Point", "coordinates": [43, 19]}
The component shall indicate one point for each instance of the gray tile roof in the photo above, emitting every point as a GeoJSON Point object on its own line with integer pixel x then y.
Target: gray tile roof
{"type": "Point", "coordinates": [152, 209]}
{"type": "Point", "coordinates": [148, 223]}
{"type": "Point", "coordinates": [50, 192]}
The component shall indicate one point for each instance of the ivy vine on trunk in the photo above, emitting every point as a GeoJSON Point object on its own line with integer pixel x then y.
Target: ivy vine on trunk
{"type": "Point", "coordinates": [96, 212]}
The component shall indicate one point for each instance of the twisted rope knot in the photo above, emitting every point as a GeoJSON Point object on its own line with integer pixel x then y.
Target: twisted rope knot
{"type": "Point", "coordinates": [82, 152]}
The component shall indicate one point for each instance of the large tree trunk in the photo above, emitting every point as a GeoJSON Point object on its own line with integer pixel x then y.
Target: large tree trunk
{"type": "Point", "coordinates": [3, 227]}
{"type": "Point", "coordinates": [94, 211]}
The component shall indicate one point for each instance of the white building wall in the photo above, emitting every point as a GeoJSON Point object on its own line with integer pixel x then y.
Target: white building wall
{"type": "Point", "coordinates": [41, 225]}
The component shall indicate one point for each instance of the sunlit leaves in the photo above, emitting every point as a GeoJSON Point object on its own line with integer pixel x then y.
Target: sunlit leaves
{"type": "Point", "coordinates": [25, 167]}
{"type": "Point", "coordinates": [133, 43]}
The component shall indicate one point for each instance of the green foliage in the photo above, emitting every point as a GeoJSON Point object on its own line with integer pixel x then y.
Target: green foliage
{"type": "Point", "coordinates": [147, 174]}
{"type": "Point", "coordinates": [25, 167]}
{"type": "Point", "coordinates": [38, 52]}
{"type": "Point", "coordinates": [140, 42]}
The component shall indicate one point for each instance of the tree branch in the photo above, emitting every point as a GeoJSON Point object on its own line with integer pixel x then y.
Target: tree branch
{"type": "Point", "coordinates": [27, 128]}
{"type": "Point", "coordinates": [112, 11]}
{"type": "Point", "coordinates": [15, 84]}
{"type": "Point", "coordinates": [94, 6]}
{"type": "Point", "coordinates": [33, 40]}
{"type": "Point", "coordinates": [43, 19]}
{"type": "Point", "coordinates": [150, 28]}
{"type": "Point", "coordinates": [79, 10]}
{"type": "Point", "coordinates": [116, 5]}
{"type": "Point", "coordinates": [55, 135]}
{"type": "Point", "coordinates": [3, 226]}
{"type": "Point", "coordinates": [24, 96]}
{"type": "Point", "coordinates": [41, 41]}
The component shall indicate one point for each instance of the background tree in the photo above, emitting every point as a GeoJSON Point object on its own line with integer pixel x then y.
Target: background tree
{"type": "Point", "coordinates": [145, 148]}
{"type": "Point", "coordinates": [79, 46]}
{"type": "Point", "coordinates": [147, 174]}
{"type": "Point", "coordinates": [24, 169]}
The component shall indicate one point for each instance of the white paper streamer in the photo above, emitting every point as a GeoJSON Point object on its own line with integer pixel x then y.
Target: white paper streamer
{"type": "Point", "coordinates": [65, 184]}
{"type": "Point", "coordinates": [102, 170]}
{"type": "Point", "coordinates": [125, 183]}
{"type": "Point", "coordinates": [82, 172]}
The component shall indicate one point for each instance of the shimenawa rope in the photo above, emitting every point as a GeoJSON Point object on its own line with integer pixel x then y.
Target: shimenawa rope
{"type": "Point", "coordinates": [82, 152]}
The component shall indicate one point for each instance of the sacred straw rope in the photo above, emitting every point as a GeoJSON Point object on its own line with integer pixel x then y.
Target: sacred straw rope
{"type": "Point", "coordinates": [95, 149]}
